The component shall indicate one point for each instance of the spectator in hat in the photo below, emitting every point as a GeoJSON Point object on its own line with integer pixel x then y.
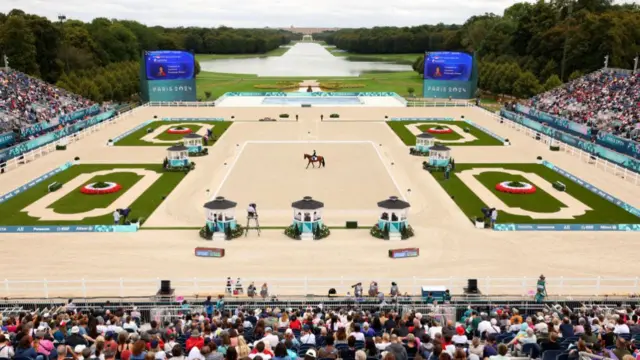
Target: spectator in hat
{"type": "Point", "coordinates": [270, 338]}
{"type": "Point", "coordinates": [75, 338]}
{"type": "Point", "coordinates": [310, 355]}
{"type": "Point", "coordinates": [45, 346]}
{"type": "Point", "coordinates": [459, 338]}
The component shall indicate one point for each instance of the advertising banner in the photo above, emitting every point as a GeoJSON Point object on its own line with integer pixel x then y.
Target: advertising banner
{"type": "Point", "coordinates": [68, 228]}
{"type": "Point", "coordinates": [422, 119]}
{"type": "Point", "coordinates": [7, 139]}
{"type": "Point", "coordinates": [587, 146]}
{"type": "Point", "coordinates": [566, 227]}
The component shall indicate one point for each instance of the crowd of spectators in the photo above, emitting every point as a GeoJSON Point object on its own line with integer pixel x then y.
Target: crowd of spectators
{"type": "Point", "coordinates": [25, 100]}
{"type": "Point", "coordinates": [217, 333]}
{"type": "Point", "coordinates": [604, 100]}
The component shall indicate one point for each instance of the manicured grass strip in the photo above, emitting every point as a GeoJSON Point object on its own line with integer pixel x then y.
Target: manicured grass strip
{"type": "Point", "coordinates": [409, 139]}
{"type": "Point", "coordinates": [134, 139]}
{"type": "Point", "coordinates": [540, 201]}
{"type": "Point", "coordinates": [143, 206]}
{"type": "Point", "coordinates": [76, 202]}
{"type": "Point", "coordinates": [219, 83]}
{"type": "Point", "coordinates": [164, 136]}
{"type": "Point", "coordinates": [604, 212]}
{"type": "Point", "coordinates": [450, 136]}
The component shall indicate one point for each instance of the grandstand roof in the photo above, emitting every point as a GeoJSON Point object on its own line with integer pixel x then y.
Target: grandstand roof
{"type": "Point", "coordinates": [220, 203]}
{"type": "Point", "coordinates": [307, 203]}
{"type": "Point", "coordinates": [393, 203]}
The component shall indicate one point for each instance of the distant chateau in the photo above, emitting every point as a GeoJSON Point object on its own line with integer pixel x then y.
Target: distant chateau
{"type": "Point", "coordinates": [308, 31]}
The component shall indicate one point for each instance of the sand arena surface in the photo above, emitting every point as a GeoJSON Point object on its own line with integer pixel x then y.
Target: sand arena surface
{"type": "Point", "coordinates": [274, 175]}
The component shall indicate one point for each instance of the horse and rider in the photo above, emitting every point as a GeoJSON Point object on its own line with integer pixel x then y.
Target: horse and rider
{"type": "Point", "coordinates": [314, 158]}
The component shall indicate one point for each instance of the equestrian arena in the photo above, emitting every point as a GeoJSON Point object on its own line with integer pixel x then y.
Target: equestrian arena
{"type": "Point", "coordinates": [262, 162]}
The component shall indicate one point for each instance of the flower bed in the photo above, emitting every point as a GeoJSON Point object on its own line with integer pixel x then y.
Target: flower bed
{"type": "Point", "coordinates": [439, 130]}
{"type": "Point", "coordinates": [100, 188]}
{"type": "Point", "coordinates": [179, 130]}
{"type": "Point", "coordinates": [514, 187]}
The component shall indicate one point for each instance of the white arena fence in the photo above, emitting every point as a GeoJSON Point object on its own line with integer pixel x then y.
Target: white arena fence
{"type": "Point", "coordinates": [131, 287]}
{"type": "Point", "coordinates": [438, 103]}
{"type": "Point", "coordinates": [70, 139]}
{"type": "Point", "coordinates": [602, 164]}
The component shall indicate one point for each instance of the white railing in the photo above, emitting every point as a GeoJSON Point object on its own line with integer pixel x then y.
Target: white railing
{"type": "Point", "coordinates": [438, 103]}
{"type": "Point", "coordinates": [70, 139]}
{"type": "Point", "coordinates": [182, 103]}
{"type": "Point", "coordinates": [600, 163]}
{"type": "Point", "coordinates": [521, 287]}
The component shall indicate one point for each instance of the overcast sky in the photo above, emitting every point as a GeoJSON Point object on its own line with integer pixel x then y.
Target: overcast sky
{"type": "Point", "coordinates": [261, 13]}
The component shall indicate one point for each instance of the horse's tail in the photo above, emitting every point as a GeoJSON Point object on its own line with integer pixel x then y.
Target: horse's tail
{"type": "Point", "coordinates": [323, 161]}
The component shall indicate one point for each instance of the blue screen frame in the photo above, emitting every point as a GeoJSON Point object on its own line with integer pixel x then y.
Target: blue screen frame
{"type": "Point", "coordinates": [169, 65]}
{"type": "Point", "coordinates": [448, 66]}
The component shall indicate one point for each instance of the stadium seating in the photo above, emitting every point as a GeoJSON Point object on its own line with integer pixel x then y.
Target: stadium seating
{"type": "Point", "coordinates": [25, 100]}
{"type": "Point", "coordinates": [605, 100]}
{"type": "Point", "coordinates": [531, 333]}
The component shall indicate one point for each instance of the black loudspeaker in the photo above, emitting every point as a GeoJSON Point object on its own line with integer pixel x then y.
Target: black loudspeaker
{"type": "Point", "coordinates": [165, 287]}
{"type": "Point", "coordinates": [472, 287]}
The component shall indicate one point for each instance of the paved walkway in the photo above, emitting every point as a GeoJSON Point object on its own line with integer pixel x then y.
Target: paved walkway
{"type": "Point", "coordinates": [40, 208]}
{"type": "Point", "coordinates": [151, 137]}
{"type": "Point", "coordinates": [573, 207]}
{"type": "Point", "coordinates": [466, 137]}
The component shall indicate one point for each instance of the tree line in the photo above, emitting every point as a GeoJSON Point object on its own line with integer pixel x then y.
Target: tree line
{"type": "Point", "coordinates": [527, 49]}
{"type": "Point", "coordinates": [71, 52]}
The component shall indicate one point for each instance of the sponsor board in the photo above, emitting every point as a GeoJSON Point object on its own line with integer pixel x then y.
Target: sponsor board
{"type": "Point", "coordinates": [566, 227]}
{"type": "Point", "coordinates": [68, 228]}
{"type": "Point", "coordinates": [421, 119]}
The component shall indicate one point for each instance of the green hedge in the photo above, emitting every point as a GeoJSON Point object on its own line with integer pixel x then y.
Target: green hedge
{"type": "Point", "coordinates": [554, 148]}
{"type": "Point", "coordinates": [61, 147]}
{"type": "Point", "coordinates": [284, 116]}
{"type": "Point", "coordinates": [54, 186]}
{"type": "Point", "coordinates": [334, 116]}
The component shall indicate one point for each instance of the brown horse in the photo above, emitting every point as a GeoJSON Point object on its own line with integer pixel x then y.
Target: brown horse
{"type": "Point", "coordinates": [319, 159]}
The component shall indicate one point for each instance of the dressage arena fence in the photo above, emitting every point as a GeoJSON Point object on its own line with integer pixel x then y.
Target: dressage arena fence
{"type": "Point", "coordinates": [301, 286]}
{"type": "Point", "coordinates": [70, 139]}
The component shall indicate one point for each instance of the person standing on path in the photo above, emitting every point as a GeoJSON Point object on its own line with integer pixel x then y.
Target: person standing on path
{"type": "Point", "coordinates": [494, 217]}
{"type": "Point", "coordinates": [116, 217]}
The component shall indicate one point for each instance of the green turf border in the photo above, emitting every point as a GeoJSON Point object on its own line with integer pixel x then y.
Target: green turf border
{"type": "Point", "coordinates": [142, 207]}
{"type": "Point", "coordinates": [134, 137]}
{"type": "Point", "coordinates": [399, 127]}
{"type": "Point", "coordinates": [604, 211]}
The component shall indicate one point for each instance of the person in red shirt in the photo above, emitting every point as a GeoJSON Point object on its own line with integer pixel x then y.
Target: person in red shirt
{"type": "Point", "coordinates": [260, 349]}
{"type": "Point", "coordinates": [194, 340]}
{"type": "Point", "coordinates": [295, 324]}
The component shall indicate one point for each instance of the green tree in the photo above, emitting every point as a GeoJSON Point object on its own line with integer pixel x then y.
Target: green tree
{"type": "Point", "coordinates": [575, 75]}
{"type": "Point", "coordinates": [19, 45]}
{"type": "Point", "coordinates": [552, 82]}
{"type": "Point", "coordinates": [526, 85]}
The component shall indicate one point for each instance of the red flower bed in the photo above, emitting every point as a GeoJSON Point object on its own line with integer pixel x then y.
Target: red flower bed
{"type": "Point", "coordinates": [93, 191]}
{"type": "Point", "coordinates": [504, 187]}
{"type": "Point", "coordinates": [179, 131]}
{"type": "Point", "coordinates": [439, 131]}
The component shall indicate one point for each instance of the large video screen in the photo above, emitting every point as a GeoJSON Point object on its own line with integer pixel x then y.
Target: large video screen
{"type": "Point", "coordinates": [169, 65]}
{"type": "Point", "coordinates": [447, 65]}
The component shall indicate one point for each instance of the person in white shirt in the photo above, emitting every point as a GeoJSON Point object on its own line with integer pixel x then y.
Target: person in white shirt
{"type": "Point", "coordinates": [382, 345]}
{"type": "Point", "coordinates": [116, 217]}
{"type": "Point", "coordinates": [130, 324]}
{"type": "Point", "coordinates": [270, 338]}
{"type": "Point", "coordinates": [168, 346]}
{"type": "Point", "coordinates": [356, 333]}
{"type": "Point", "coordinates": [459, 337]}
{"type": "Point", "coordinates": [484, 325]}
{"type": "Point", "coordinates": [621, 327]}
{"type": "Point", "coordinates": [307, 336]}
{"type": "Point", "coordinates": [195, 354]}
{"type": "Point", "coordinates": [436, 329]}
{"type": "Point", "coordinates": [6, 350]}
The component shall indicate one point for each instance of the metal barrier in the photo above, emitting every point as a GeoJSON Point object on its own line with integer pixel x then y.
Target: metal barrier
{"type": "Point", "coordinates": [70, 139]}
{"type": "Point", "coordinates": [602, 164]}
{"type": "Point", "coordinates": [516, 287]}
